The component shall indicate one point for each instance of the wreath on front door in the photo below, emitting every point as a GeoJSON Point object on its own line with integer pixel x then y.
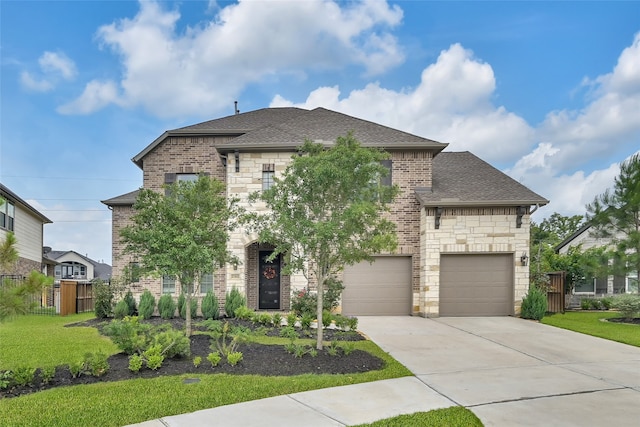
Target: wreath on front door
{"type": "Point", "coordinates": [269, 273]}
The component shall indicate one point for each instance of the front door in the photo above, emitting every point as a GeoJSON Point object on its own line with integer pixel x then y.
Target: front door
{"type": "Point", "coordinates": [268, 281]}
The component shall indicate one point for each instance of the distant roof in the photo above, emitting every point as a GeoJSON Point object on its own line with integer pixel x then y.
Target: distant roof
{"type": "Point", "coordinates": [462, 179]}
{"type": "Point", "coordinates": [570, 238]}
{"type": "Point", "coordinates": [14, 198]}
{"type": "Point", "coordinates": [287, 128]}
{"type": "Point", "coordinates": [100, 269]}
{"type": "Point", "coordinates": [127, 199]}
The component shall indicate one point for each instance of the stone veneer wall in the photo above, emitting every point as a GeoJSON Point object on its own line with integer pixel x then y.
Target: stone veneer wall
{"type": "Point", "coordinates": [470, 230]}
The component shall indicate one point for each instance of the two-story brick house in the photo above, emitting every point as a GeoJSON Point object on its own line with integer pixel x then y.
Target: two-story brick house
{"type": "Point", "coordinates": [463, 226]}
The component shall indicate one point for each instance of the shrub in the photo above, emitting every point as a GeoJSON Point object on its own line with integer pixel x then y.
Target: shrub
{"type": "Point", "coordinates": [233, 300]}
{"type": "Point", "coordinates": [326, 318]}
{"type": "Point", "coordinates": [153, 357]}
{"type": "Point", "coordinates": [606, 302]}
{"type": "Point", "coordinates": [209, 307]}
{"type": "Point", "coordinates": [289, 332]}
{"type": "Point", "coordinates": [305, 321]}
{"type": "Point", "coordinates": [135, 363]}
{"type": "Point", "coordinates": [304, 302]}
{"type": "Point", "coordinates": [131, 304]}
{"type": "Point", "coordinates": [264, 319]}
{"type": "Point", "coordinates": [5, 379]}
{"type": "Point", "coordinates": [332, 294]}
{"type": "Point", "coordinates": [234, 357]}
{"type": "Point", "coordinates": [628, 305]}
{"type": "Point", "coordinates": [122, 310]}
{"type": "Point", "coordinates": [129, 334]}
{"type": "Point", "coordinates": [585, 303]}
{"type": "Point", "coordinates": [214, 358]}
{"type": "Point", "coordinates": [166, 306]}
{"type": "Point", "coordinates": [193, 307]}
{"type": "Point", "coordinates": [172, 343]}
{"type": "Point", "coordinates": [76, 368]}
{"type": "Point", "coordinates": [23, 375]}
{"type": "Point", "coordinates": [197, 361]}
{"type": "Point", "coordinates": [47, 374]}
{"type": "Point", "coordinates": [147, 304]}
{"type": "Point", "coordinates": [96, 364]}
{"type": "Point", "coordinates": [226, 341]}
{"type": "Point", "coordinates": [102, 299]}
{"type": "Point", "coordinates": [534, 304]}
{"type": "Point", "coordinates": [291, 319]}
{"type": "Point", "coordinates": [596, 304]}
{"type": "Point", "coordinates": [244, 313]}
{"type": "Point", "coordinates": [353, 323]}
{"type": "Point", "coordinates": [276, 319]}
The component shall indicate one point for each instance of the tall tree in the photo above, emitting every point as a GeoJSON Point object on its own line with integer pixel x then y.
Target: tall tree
{"type": "Point", "coordinates": [615, 215]}
{"type": "Point", "coordinates": [328, 210]}
{"type": "Point", "coordinates": [182, 234]}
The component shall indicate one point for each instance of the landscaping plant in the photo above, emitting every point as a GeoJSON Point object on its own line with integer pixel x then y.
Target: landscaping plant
{"type": "Point", "coordinates": [121, 310]}
{"type": "Point", "coordinates": [131, 304]}
{"type": "Point", "coordinates": [147, 304]}
{"type": "Point", "coordinates": [182, 309]}
{"type": "Point", "coordinates": [209, 307]}
{"type": "Point", "coordinates": [166, 307]}
{"type": "Point", "coordinates": [534, 304]}
{"type": "Point", "coordinates": [102, 299]}
{"type": "Point", "coordinates": [628, 305]}
{"type": "Point", "coordinates": [233, 300]}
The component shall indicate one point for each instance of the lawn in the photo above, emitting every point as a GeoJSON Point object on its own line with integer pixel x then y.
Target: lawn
{"type": "Point", "coordinates": [590, 323]}
{"type": "Point", "coordinates": [37, 341]}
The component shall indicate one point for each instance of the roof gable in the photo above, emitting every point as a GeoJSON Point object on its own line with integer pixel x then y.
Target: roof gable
{"type": "Point", "coordinates": [463, 179]}
{"type": "Point", "coordinates": [14, 198]}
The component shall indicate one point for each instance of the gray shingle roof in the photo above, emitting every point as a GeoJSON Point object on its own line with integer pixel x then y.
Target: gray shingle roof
{"type": "Point", "coordinates": [14, 198]}
{"type": "Point", "coordinates": [322, 125]}
{"type": "Point", "coordinates": [462, 179]}
{"type": "Point", "coordinates": [287, 128]}
{"type": "Point", "coordinates": [127, 199]}
{"type": "Point", "coordinates": [100, 269]}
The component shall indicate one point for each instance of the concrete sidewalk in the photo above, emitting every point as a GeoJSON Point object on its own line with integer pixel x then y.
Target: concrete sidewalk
{"type": "Point", "coordinates": [508, 371]}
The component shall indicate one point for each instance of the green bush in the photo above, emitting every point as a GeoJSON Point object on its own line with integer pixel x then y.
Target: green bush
{"type": "Point", "coordinates": [122, 310]}
{"type": "Point", "coordinates": [596, 304]}
{"type": "Point", "coordinates": [147, 304]}
{"type": "Point", "coordinates": [183, 308]}
{"type": "Point", "coordinates": [153, 357]}
{"type": "Point", "coordinates": [628, 305]}
{"type": "Point", "coordinates": [129, 334]}
{"type": "Point", "coordinates": [276, 319]}
{"type": "Point", "coordinates": [292, 318]}
{"type": "Point", "coordinates": [96, 364]}
{"type": "Point", "coordinates": [606, 303]}
{"type": "Point", "coordinates": [135, 363]}
{"type": "Point", "coordinates": [131, 304]}
{"type": "Point", "coordinates": [209, 307]}
{"type": "Point", "coordinates": [166, 306]}
{"type": "Point", "coordinates": [233, 300]}
{"type": "Point", "coordinates": [332, 293]}
{"type": "Point", "coordinates": [214, 358]}
{"type": "Point", "coordinates": [585, 303]}
{"type": "Point", "coordinates": [23, 375]}
{"type": "Point", "coordinates": [172, 343]}
{"type": "Point", "coordinates": [234, 357]}
{"type": "Point", "coordinates": [326, 318]}
{"type": "Point", "coordinates": [102, 299]}
{"type": "Point", "coordinates": [303, 303]}
{"type": "Point", "coordinates": [534, 304]}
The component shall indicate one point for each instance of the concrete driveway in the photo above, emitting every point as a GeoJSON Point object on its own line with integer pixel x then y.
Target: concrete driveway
{"type": "Point", "coordinates": [510, 371]}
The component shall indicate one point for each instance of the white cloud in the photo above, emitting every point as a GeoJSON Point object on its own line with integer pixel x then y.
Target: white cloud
{"type": "Point", "coordinates": [53, 67]}
{"type": "Point", "coordinates": [96, 95]}
{"type": "Point", "coordinates": [206, 67]}
{"type": "Point", "coordinates": [452, 103]}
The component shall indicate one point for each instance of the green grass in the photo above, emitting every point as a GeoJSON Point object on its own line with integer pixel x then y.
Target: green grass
{"type": "Point", "coordinates": [43, 341]}
{"type": "Point", "coordinates": [133, 401]}
{"type": "Point", "coordinates": [456, 416]}
{"type": "Point", "coordinates": [589, 323]}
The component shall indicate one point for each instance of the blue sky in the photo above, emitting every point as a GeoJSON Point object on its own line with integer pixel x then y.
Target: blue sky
{"type": "Point", "coordinates": [548, 92]}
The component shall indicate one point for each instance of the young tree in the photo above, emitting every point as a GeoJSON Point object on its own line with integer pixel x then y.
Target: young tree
{"type": "Point", "coordinates": [327, 211]}
{"type": "Point", "coordinates": [615, 214]}
{"type": "Point", "coordinates": [182, 234]}
{"type": "Point", "coordinates": [16, 295]}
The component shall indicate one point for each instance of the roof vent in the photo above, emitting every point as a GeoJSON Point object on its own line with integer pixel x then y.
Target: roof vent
{"type": "Point", "coordinates": [235, 107]}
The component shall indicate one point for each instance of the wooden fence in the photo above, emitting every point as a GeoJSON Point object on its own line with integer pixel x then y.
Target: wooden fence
{"type": "Point", "coordinates": [556, 292]}
{"type": "Point", "coordinates": [75, 297]}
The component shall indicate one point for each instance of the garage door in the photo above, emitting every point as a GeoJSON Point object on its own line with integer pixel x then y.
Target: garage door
{"type": "Point", "coordinates": [382, 288]}
{"type": "Point", "coordinates": [476, 285]}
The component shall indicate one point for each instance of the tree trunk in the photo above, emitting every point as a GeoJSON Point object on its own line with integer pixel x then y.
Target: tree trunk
{"type": "Point", "coordinates": [188, 315]}
{"type": "Point", "coordinates": [319, 310]}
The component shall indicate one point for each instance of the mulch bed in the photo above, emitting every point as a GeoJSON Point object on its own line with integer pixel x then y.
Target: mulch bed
{"type": "Point", "coordinates": [264, 360]}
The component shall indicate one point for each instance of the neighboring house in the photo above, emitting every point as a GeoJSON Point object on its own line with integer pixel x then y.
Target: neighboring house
{"type": "Point", "coordinates": [462, 225]}
{"type": "Point", "coordinates": [598, 286]}
{"type": "Point", "coordinates": [70, 265]}
{"type": "Point", "coordinates": [27, 224]}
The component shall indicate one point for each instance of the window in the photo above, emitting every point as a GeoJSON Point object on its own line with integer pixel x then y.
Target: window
{"type": "Point", "coordinates": [7, 215]}
{"type": "Point", "coordinates": [206, 283]}
{"type": "Point", "coordinates": [168, 285]}
{"type": "Point", "coordinates": [387, 181]}
{"type": "Point", "coordinates": [190, 177]}
{"type": "Point", "coordinates": [268, 172]}
{"type": "Point", "coordinates": [632, 282]}
{"type": "Point", "coordinates": [70, 270]}
{"type": "Point", "coordinates": [134, 272]}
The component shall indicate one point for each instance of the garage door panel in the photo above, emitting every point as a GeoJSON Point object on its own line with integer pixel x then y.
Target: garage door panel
{"type": "Point", "coordinates": [379, 288]}
{"type": "Point", "coordinates": [476, 285]}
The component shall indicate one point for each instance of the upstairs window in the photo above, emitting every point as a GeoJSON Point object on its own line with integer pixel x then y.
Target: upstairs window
{"type": "Point", "coordinates": [387, 181]}
{"type": "Point", "coordinates": [7, 215]}
{"type": "Point", "coordinates": [268, 172]}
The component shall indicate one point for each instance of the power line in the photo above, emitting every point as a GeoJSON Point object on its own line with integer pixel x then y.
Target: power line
{"type": "Point", "coordinates": [83, 178]}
